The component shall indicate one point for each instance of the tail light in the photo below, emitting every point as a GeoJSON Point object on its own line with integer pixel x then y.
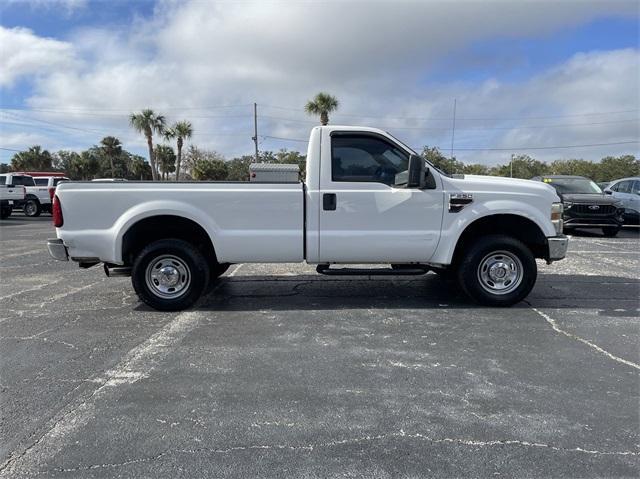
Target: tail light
{"type": "Point", "coordinates": [56, 211]}
{"type": "Point", "coordinates": [24, 192]}
{"type": "Point", "coordinates": [52, 191]}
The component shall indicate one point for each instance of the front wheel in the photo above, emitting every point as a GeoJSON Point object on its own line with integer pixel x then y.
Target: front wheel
{"type": "Point", "coordinates": [170, 275]}
{"type": "Point", "coordinates": [32, 208]}
{"type": "Point", "coordinates": [610, 231]}
{"type": "Point", "coordinates": [497, 270]}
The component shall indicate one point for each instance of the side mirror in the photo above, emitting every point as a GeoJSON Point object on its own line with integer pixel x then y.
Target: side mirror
{"type": "Point", "coordinates": [416, 172]}
{"type": "Point", "coordinates": [608, 192]}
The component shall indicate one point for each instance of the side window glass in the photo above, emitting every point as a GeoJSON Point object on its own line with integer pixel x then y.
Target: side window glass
{"type": "Point", "coordinates": [41, 181]}
{"type": "Point", "coordinates": [635, 189]}
{"type": "Point", "coordinates": [364, 158]}
{"type": "Point", "coordinates": [3, 180]}
{"type": "Point", "coordinates": [624, 187]}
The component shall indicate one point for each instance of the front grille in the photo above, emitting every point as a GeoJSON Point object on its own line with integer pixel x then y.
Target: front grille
{"type": "Point", "coordinates": [602, 210]}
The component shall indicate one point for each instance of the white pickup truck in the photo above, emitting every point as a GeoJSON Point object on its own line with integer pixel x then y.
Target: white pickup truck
{"type": "Point", "coordinates": [367, 199]}
{"type": "Point", "coordinates": [38, 196]}
{"type": "Point", "coordinates": [9, 195]}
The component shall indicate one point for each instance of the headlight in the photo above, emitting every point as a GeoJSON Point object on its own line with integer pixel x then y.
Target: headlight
{"type": "Point", "coordinates": [556, 216]}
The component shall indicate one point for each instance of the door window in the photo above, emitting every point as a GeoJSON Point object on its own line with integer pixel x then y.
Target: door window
{"type": "Point", "coordinates": [366, 158]}
{"type": "Point", "coordinates": [624, 187]}
{"type": "Point", "coordinates": [23, 181]}
{"type": "Point", "coordinates": [41, 181]}
{"type": "Point", "coordinates": [635, 189]}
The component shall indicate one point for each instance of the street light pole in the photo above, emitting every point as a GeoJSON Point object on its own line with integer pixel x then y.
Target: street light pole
{"type": "Point", "coordinates": [255, 130]}
{"type": "Point", "coordinates": [511, 165]}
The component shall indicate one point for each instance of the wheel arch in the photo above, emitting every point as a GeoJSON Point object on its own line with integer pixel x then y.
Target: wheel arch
{"type": "Point", "coordinates": [516, 226]}
{"type": "Point", "coordinates": [164, 226]}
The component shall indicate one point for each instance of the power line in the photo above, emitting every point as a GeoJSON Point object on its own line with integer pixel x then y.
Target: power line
{"type": "Point", "coordinates": [555, 147]}
{"type": "Point", "coordinates": [128, 110]}
{"type": "Point", "coordinates": [10, 149]}
{"type": "Point", "coordinates": [458, 118]}
{"type": "Point", "coordinates": [481, 128]}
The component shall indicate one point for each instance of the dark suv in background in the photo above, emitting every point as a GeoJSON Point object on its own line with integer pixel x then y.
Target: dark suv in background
{"type": "Point", "coordinates": [585, 204]}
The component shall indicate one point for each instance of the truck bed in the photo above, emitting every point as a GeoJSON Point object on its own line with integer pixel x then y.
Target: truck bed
{"type": "Point", "coordinates": [247, 221]}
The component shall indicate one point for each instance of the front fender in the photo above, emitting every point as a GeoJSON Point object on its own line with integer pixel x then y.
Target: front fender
{"type": "Point", "coordinates": [159, 208]}
{"type": "Point", "coordinates": [454, 224]}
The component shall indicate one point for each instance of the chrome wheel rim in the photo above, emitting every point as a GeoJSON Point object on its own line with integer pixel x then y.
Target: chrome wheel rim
{"type": "Point", "coordinates": [168, 277]}
{"type": "Point", "coordinates": [30, 208]}
{"type": "Point", "coordinates": [500, 272]}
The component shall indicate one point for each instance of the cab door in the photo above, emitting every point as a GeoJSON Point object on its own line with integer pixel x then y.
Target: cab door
{"type": "Point", "coordinates": [363, 217]}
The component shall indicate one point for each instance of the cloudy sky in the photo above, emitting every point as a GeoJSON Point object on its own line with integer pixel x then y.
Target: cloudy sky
{"type": "Point", "coordinates": [527, 76]}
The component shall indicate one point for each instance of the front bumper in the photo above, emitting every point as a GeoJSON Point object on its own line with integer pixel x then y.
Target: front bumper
{"type": "Point", "coordinates": [557, 247]}
{"type": "Point", "coordinates": [57, 249]}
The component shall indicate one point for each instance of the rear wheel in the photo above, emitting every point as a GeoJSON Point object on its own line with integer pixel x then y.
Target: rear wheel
{"type": "Point", "coordinates": [611, 231]}
{"type": "Point", "coordinates": [170, 275]}
{"type": "Point", "coordinates": [32, 208]}
{"type": "Point", "coordinates": [497, 271]}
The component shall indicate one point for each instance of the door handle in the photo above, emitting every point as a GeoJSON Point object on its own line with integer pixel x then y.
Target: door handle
{"type": "Point", "coordinates": [329, 201]}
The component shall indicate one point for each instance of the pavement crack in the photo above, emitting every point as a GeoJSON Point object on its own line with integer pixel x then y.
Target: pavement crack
{"type": "Point", "coordinates": [593, 346]}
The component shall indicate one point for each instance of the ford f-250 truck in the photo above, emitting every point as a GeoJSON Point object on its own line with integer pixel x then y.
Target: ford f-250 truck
{"type": "Point", "coordinates": [367, 199]}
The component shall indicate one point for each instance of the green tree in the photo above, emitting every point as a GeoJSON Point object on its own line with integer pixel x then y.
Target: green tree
{"type": "Point", "coordinates": [33, 159]}
{"type": "Point", "coordinates": [476, 169]}
{"type": "Point", "coordinates": [4, 168]}
{"type": "Point", "coordinates": [322, 104]}
{"type": "Point", "coordinates": [285, 156]}
{"type": "Point", "coordinates": [614, 167]}
{"type": "Point", "coordinates": [148, 122]}
{"type": "Point", "coordinates": [449, 165]}
{"type": "Point", "coordinates": [88, 163]}
{"type": "Point", "coordinates": [165, 159]}
{"type": "Point", "coordinates": [238, 168]}
{"type": "Point", "coordinates": [574, 167]}
{"type": "Point", "coordinates": [210, 169]}
{"type": "Point", "coordinates": [180, 131]}
{"type": "Point", "coordinates": [111, 148]}
{"type": "Point", "coordinates": [138, 168]}
{"type": "Point", "coordinates": [524, 166]}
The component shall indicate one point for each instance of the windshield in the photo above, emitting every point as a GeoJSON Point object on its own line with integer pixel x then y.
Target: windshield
{"type": "Point", "coordinates": [573, 185]}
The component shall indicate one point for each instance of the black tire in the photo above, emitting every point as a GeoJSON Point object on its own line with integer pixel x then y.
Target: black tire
{"type": "Point", "coordinates": [32, 208]}
{"type": "Point", "coordinates": [187, 262]}
{"type": "Point", "coordinates": [219, 269]}
{"type": "Point", "coordinates": [611, 231]}
{"type": "Point", "coordinates": [5, 212]}
{"type": "Point", "coordinates": [476, 276]}
{"type": "Point", "coordinates": [447, 274]}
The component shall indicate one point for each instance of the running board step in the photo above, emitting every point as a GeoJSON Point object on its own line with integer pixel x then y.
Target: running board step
{"type": "Point", "coordinates": [326, 269]}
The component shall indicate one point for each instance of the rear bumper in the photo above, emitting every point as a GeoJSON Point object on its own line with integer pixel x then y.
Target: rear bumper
{"type": "Point", "coordinates": [57, 249]}
{"type": "Point", "coordinates": [557, 247]}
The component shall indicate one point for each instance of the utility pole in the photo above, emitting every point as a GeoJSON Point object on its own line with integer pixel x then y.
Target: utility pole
{"type": "Point", "coordinates": [255, 130]}
{"type": "Point", "coordinates": [511, 165]}
{"type": "Point", "coordinates": [453, 130]}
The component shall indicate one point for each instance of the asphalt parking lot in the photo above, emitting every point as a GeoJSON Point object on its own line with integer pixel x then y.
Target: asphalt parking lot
{"type": "Point", "coordinates": [284, 373]}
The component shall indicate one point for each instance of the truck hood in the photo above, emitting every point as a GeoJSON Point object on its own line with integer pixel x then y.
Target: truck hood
{"type": "Point", "coordinates": [507, 185]}
{"type": "Point", "coordinates": [590, 198]}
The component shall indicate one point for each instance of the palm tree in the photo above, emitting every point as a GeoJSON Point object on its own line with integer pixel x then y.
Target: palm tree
{"type": "Point", "coordinates": [111, 147]}
{"type": "Point", "coordinates": [147, 123]}
{"type": "Point", "coordinates": [322, 104]}
{"type": "Point", "coordinates": [181, 131]}
{"type": "Point", "coordinates": [166, 160]}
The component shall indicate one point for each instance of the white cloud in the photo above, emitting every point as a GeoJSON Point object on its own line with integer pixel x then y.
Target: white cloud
{"type": "Point", "coordinates": [22, 53]}
{"type": "Point", "coordinates": [376, 57]}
